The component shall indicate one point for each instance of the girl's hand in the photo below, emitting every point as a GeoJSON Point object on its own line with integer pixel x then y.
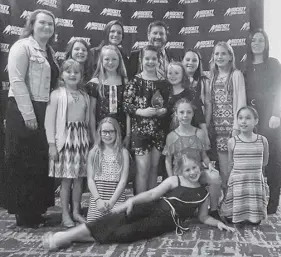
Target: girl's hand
{"type": "Point", "coordinates": [129, 206]}
{"type": "Point", "coordinates": [274, 122]}
{"type": "Point", "coordinates": [147, 112]}
{"type": "Point", "coordinates": [208, 143]}
{"type": "Point", "coordinates": [235, 132]}
{"type": "Point", "coordinates": [126, 141]}
{"type": "Point", "coordinates": [31, 124]}
{"type": "Point", "coordinates": [53, 152]}
{"type": "Point", "coordinates": [212, 168]}
{"type": "Point", "coordinates": [222, 226]}
{"type": "Point", "coordinates": [160, 112]}
{"type": "Point", "coordinates": [109, 205]}
{"type": "Point", "coordinates": [101, 205]}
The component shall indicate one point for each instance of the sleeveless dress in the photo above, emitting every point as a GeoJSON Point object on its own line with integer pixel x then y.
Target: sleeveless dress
{"type": "Point", "coordinates": [151, 219]}
{"type": "Point", "coordinates": [106, 182]}
{"type": "Point", "coordinates": [190, 146]}
{"type": "Point", "coordinates": [222, 113]}
{"type": "Point", "coordinates": [245, 199]}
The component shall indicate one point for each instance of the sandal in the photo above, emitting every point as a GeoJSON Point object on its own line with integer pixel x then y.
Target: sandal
{"type": "Point", "coordinates": [48, 242]}
{"type": "Point", "coordinates": [79, 218]}
{"type": "Point", "coordinates": [68, 223]}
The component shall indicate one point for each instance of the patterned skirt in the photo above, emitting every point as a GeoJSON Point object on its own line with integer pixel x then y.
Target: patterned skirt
{"type": "Point", "coordinates": [73, 157]}
{"type": "Point", "coordinates": [106, 189]}
{"type": "Point", "coordinates": [245, 199]}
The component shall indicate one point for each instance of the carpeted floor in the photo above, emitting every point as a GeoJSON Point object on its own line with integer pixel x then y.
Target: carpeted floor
{"type": "Point", "coordinates": [200, 241]}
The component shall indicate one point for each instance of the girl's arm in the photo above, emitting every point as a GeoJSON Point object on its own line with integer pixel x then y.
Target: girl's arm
{"type": "Point", "coordinates": [93, 104]}
{"type": "Point", "coordinates": [207, 101]}
{"type": "Point", "coordinates": [169, 165]}
{"type": "Point", "coordinates": [168, 154]}
{"type": "Point", "coordinates": [230, 145]}
{"type": "Point", "coordinates": [208, 220]}
{"type": "Point", "coordinates": [239, 95]}
{"type": "Point", "coordinates": [123, 180]}
{"type": "Point", "coordinates": [90, 176]}
{"type": "Point", "coordinates": [203, 126]}
{"type": "Point", "coordinates": [265, 151]}
{"type": "Point", "coordinates": [128, 131]}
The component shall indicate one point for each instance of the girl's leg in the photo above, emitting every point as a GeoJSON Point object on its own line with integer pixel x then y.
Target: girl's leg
{"type": "Point", "coordinates": [64, 196]}
{"type": "Point", "coordinates": [153, 174]}
{"type": "Point", "coordinates": [80, 233]}
{"type": "Point", "coordinates": [143, 163]}
{"type": "Point", "coordinates": [223, 163]}
{"type": "Point", "coordinates": [76, 199]}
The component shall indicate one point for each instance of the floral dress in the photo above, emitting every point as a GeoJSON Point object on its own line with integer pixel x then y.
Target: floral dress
{"type": "Point", "coordinates": [138, 94]}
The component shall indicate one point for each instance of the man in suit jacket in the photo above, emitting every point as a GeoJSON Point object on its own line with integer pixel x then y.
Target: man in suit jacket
{"type": "Point", "coordinates": [157, 36]}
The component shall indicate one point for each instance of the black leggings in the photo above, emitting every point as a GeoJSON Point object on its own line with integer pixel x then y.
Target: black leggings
{"type": "Point", "coordinates": [145, 221]}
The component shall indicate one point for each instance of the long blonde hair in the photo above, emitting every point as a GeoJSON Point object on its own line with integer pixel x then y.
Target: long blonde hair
{"type": "Point", "coordinates": [99, 147]}
{"type": "Point", "coordinates": [100, 72]}
{"type": "Point", "coordinates": [214, 68]}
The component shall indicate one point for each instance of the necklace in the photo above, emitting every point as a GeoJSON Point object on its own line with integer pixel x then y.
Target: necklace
{"type": "Point", "coordinates": [75, 96]}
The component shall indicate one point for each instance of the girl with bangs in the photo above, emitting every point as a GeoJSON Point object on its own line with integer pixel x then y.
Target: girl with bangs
{"type": "Point", "coordinates": [106, 91]}
{"type": "Point", "coordinates": [108, 169]}
{"type": "Point", "coordinates": [66, 124]}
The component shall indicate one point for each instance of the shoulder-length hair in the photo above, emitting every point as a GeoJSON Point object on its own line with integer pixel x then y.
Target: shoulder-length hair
{"type": "Point", "coordinates": [214, 67]}
{"type": "Point", "coordinates": [88, 66]}
{"type": "Point", "coordinates": [28, 28]}
{"type": "Point", "coordinates": [99, 147]}
{"type": "Point", "coordinates": [106, 32]}
{"type": "Point", "coordinates": [249, 47]}
{"type": "Point", "coordinates": [199, 71]}
{"type": "Point", "coordinates": [100, 71]}
{"type": "Point", "coordinates": [184, 77]}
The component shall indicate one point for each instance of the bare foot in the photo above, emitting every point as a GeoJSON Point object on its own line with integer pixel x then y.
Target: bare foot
{"type": "Point", "coordinates": [78, 218]}
{"type": "Point", "coordinates": [67, 222]}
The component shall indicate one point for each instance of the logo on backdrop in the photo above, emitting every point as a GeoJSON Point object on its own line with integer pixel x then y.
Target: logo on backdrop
{"type": "Point", "coordinates": [246, 26]}
{"type": "Point", "coordinates": [188, 1]}
{"type": "Point", "coordinates": [51, 3]}
{"type": "Point", "coordinates": [140, 44]}
{"type": "Point", "coordinates": [95, 26]}
{"type": "Point", "coordinates": [204, 44]}
{"type": "Point", "coordinates": [13, 30]}
{"type": "Point", "coordinates": [220, 27]}
{"type": "Point", "coordinates": [4, 47]}
{"type": "Point", "coordinates": [5, 85]}
{"type": "Point", "coordinates": [244, 58]}
{"type": "Point", "coordinates": [157, 1]}
{"type": "Point", "coordinates": [126, 1]}
{"type": "Point", "coordinates": [130, 29]}
{"type": "Point", "coordinates": [4, 9]}
{"type": "Point", "coordinates": [142, 15]}
{"type": "Point", "coordinates": [64, 23]}
{"type": "Point", "coordinates": [204, 14]}
{"type": "Point", "coordinates": [235, 11]}
{"type": "Point", "coordinates": [237, 42]}
{"type": "Point", "coordinates": [60, 55]}
{"type": "Point", "coordinates": [173, 15]}
{"type": "Point", "coordinates": [25, 14]}
{"type": "Point", "coordinates": [174, 45]}
{"type": "Point", "coordinates": [79, 8]}
{"type": "Point", "coordinates": [86, 39]}
{"type": "Point", "coordinates": [189, 30]}
{"type": "Point", "coordinates": [111, 12]}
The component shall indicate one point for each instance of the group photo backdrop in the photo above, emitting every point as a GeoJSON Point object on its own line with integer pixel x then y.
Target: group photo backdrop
{"type": "Point", "coordinates": [198, 24]}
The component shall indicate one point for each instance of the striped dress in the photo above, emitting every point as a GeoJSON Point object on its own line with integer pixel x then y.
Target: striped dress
{"type": "Point", "coordinates": [245, 199]}
{"type": "Point", "coordinates": [106, 182]}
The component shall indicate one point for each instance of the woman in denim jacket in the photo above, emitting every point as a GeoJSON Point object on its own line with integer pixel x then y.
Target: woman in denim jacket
{"type": "Point", "coordinates": [33, 71]}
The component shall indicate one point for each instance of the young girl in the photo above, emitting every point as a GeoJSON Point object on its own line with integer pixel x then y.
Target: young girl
{"type": "Point", "coordinates": [147, 125]}
{"type": "Point", "coordinates": [187, 140]}
{"type": "Point", "coordinates": [66, 124]}
{"type": "Point", "coordinates": [245, 200]}
{"type": "Point", "coordinates": [79, 50]}
{"type": "Point", "coordinates": [108, 169]}
{"type": "Point", "coordinates": [149, 214]}
{"type": "Point", "coordinates": [228, 96]}
{"type": "Point", "coordinates": [106, 91]}
{"type": "Point", "coordinates": [177, 77]}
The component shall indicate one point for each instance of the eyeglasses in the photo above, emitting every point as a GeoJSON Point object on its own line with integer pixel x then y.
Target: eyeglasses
{"type": "Point", "coordinates": [107, 132]}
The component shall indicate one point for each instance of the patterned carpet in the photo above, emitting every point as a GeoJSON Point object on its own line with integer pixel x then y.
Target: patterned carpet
{"type": "Point", "coordinates": [200, 241]}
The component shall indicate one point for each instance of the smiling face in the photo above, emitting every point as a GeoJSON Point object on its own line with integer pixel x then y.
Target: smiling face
{"type": "Point", "coordinates": [149, 60]}
{"type": "Point", "coordinates": [108, 133]}
{"type": "Point", "coordinates": [191, 170]}
{"type": "Point", "coordinates": [115, 35]}
{"type": "Point", "coordinates": [222, 57]}
{"type": "Point", "coordinates": [258, 43]}
{"type": "Point", "coordinates": [44, 26]}
{"type": "Point", "coordinates": [190, 63]}
{"type": "Point", "coordinates": [79, 52]}
{"type": "Point", "coordinates": [71, 77]}
{"type": "Point", "coordinates": [184, 113]}
{"type": "Point", "coordinates": [110, 60]}
{"type": "Point", "coordinates": [246, 121]}
{"type": "Point", "coordinates": [174, 74]}
{"type": "Point", "coordinates": [157, 36]}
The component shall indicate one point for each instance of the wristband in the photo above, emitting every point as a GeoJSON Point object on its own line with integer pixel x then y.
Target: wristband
{"type": "Point", "coordinates": [98, 198]}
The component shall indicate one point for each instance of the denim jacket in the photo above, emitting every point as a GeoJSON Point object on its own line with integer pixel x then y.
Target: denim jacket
{"type": "Point", "coordinates": [29, 75]}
